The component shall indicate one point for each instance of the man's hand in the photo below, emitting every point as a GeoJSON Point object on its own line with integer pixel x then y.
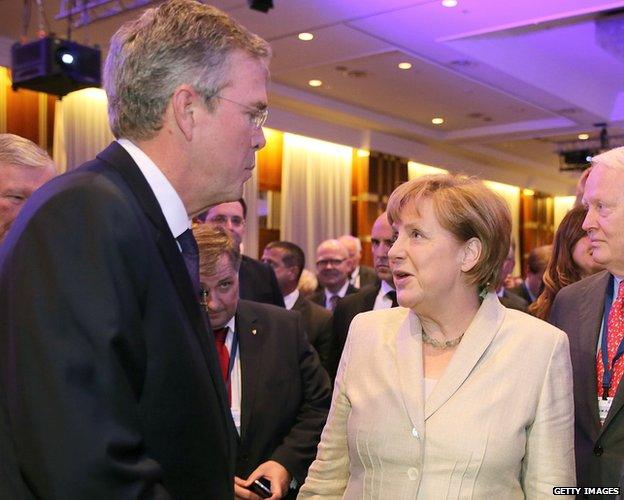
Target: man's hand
{"type": "Point", "coordinates": [271, 470]}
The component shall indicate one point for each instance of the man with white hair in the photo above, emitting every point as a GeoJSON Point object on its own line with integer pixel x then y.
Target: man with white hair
{"type": "Point", "coordinates": [24, 167]}
{"type": "Point", "coordinates": [591, 312]}
{"type": "Point", "coordinates": [332, 268]}
{"type": "Point", "coordinates": [110, 371]}
{"type": "Point", "coordinates": [359, 274]}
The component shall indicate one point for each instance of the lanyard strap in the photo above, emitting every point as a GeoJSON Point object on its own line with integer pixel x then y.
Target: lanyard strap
{"type": "Point", "coordinates": [233, 351]}
{"type": "Point", "coordinates": [607, 374]}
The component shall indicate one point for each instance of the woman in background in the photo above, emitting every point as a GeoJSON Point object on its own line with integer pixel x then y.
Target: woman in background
{"type": "Point", "coordinates": [570, 261]}
{"type": "Point", "coordinates": [451, 395]}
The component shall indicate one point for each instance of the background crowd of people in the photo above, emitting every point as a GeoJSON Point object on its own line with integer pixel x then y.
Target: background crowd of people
{"type": "Point", "coordinates": [142, 354]}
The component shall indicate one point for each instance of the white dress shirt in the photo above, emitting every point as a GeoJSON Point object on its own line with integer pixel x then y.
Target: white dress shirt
{"type": "Point", "coordinates": [235, 376]}
{"type": "Point", "coordinates": [341, 293]}
{"type": "Point", "coordinates": [291, 298]}
{"type": "Point", "coordinates": [382, 301]}
{"type": "Point", "coordinates": [166, 196]}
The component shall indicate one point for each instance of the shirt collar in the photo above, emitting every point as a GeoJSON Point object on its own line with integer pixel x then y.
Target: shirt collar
{"type": "Point", "coordinates": [385, 288]}
{"type": "Point", "coordinates": [291, 298]}
{"type": "Point", "coordinates": [167, 197]}
{"type": "Point", "coordinates": [341, 293]}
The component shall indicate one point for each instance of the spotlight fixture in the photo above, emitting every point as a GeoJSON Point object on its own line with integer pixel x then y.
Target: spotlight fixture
{"type": "Point", "coordinates": [449, 3]}
{"type": "Point", "coordinates": [315, 83]}
{"type": "Point", "coordinates": [437, 121]}
{"type": "Point", "coordinates": [583, 137]}
{"type": "Point", "coordinates": [305, 37]}
{"type": "Point", "coordinates": [405, 65]}
{"type": "Point", "coordinates": [261, 5]}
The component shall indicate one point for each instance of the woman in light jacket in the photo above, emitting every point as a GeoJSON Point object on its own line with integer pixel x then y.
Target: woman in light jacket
{"type": "Point", "coordinates": [452, 395]}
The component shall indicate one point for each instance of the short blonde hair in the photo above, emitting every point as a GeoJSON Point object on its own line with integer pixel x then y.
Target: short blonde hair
{"type": "Point", "coordinates": [18, 151]}
{"type": "Point", "coordinates": [213, 242]}
{"type": "Point", "coordinates": [467, 209]}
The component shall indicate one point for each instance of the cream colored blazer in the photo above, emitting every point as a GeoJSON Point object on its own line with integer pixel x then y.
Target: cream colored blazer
{"type": "Point", "coordinates": [498, 424]}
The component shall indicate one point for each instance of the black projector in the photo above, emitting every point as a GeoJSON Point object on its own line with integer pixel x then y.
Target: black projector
{"type": "Point", "coordinates": [55, 66]}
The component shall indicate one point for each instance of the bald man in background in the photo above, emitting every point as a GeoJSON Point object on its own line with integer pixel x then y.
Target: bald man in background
{"type": "Point", "coordinates": [359, 274]}
{"type": "Point", "coordinates": [24, 167]}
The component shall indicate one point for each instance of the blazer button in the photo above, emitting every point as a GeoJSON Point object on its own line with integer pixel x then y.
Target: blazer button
{"type": "Point", "coordinates": [412, 473]}
{"type": "Point", "coordinates": [598, 450]}
{"type": "Point", "coordinates": [415, 433]}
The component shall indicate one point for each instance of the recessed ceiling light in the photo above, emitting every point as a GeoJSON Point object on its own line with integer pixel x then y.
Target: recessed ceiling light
{"type": "Point", "coordinates": [315, 83]}
{"type": "Point", "coordinates": [363, 153]}
{"type": "Point", "coordinates": [583, 137]}
{"type": "Point", "coordinates": [528, 192]}
{"type": "Point", "coordinates": [449, 3]}
{"type": "Point", "coordinates": [306, 37]}
{"type": "Point", "coordinates": [437, 121]}
{"type": "Point", "coordinates": [405, 65]}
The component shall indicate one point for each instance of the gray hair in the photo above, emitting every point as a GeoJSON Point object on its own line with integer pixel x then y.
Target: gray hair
{"type": "Point", "coordinates": [18, 151]}
{"type": "Point", "coordinates": [181, 41]}
{"type": "Point", "coordinates": [614, 158]}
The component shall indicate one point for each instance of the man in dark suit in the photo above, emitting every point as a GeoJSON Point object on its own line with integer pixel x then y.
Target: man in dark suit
{"type": "Point", "coordinates": [288, 262]}
{"type": "Point", "coordinates": [257, 280]}
{"type": "Point", "coordinates": [591, 312]}
{"type": "Point", "coordinates": [332, 267]}
{"type": "Point", "coordinates": [360, 275]}
{"type": "Point", "coordinates": [368, 298]}
{"type": "Point", "coordinates": [532, 285]}
{"type": "Point", "coordinates": [279, 393]}
{"type": "Point", "coordinates": [110, 373]}
{"type": "Point", "coordinates": [506, 297]}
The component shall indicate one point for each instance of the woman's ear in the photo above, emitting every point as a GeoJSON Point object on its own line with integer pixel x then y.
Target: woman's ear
{"type": "Point", "coordinates": [471, 253]}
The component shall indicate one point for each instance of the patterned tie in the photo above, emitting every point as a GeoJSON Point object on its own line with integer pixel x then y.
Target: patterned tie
{"type": "Point", "coordinates": [392, 296]}
{"type": "Point", "coordinates": [615, 329]}
{"type": "Point", "coordinates": [333, 302]}
{"type": "Point", "coordinates": [224, 358]}
{"type": "Point", "coordinates": [190, 253]}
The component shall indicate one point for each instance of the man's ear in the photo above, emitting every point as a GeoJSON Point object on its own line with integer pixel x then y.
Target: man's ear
{"type": "Point", "coordinates": [183, 104]}
{"type": "Point", "coordinates": [471, 253]}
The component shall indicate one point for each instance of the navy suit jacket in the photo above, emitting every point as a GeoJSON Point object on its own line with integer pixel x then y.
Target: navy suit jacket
{"type": "Point", "coordinates": [285, 390]}
{"type": "Point", "coordinates": [110, 371]}
{"type": "Point", "coordinates": [258, 283]}
{"type": "Point", "coordinates": [578, 311]}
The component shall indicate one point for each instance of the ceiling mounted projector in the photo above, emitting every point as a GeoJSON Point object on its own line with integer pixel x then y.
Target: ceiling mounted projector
{"type": "Point", "coordinates": [55, 66]}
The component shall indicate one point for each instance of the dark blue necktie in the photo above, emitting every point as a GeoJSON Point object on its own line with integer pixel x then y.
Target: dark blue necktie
{"type": "Point", "coordinates": [190, 252]}
{"type": "Point", "coordinates": [393, 297]}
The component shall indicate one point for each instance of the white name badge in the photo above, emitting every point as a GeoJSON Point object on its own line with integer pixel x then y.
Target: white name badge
{"type": "Point", "coordinates": [236, 416]}
{"type": "Point", "coordinates": [604, 405]}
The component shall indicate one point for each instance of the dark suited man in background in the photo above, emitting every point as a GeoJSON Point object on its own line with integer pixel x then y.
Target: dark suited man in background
{"type": "Point", "coordinates": [591, 312]}
{"type": "Point", "coordinates": [506, 297]}
{"type": "Point", "coordinates": [110, 372]}
{"type": "Point", "coordinates": [532, 285]}
{"type": "Point", "coordinates": [24, 167]}
{"type": "Point", "coordinates": [288, 262]}
{"type": "Point", "coordinates": [279, 393]}
{"type": "Point", "coordinates": [332, 272]}
{"type": "Point", "coordinates": [382, 296]}
{"type": "Point", "coordinates": [257, 280]}
{"type": "Point", "coordinates": [359, 274]}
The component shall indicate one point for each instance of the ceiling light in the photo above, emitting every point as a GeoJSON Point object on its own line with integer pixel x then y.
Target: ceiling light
{"type": "Point", "coordinates": [306, 37]}
{"type": "Point", "coordinates": [437, 121]}
{"type": "Point", "coordinates": [528, 192]}
{"type": "Point", "coordinates": [315, 83]}
{"type": "Point", "coordinates": [583, 137]}
{"type": "Point", "coordinates": [363, 153]}
{"type": "Point", "coordinates": [405, 65]}
{"type": "Point", "coordinates": [449, 3]}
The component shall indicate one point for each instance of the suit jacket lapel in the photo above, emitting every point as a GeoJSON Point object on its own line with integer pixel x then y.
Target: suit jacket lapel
{"type": "Point", "coordinates": [410, 368]}
{"type": "Point", "coordinates": [369, 299]}
{"type": "Point", "coordinates": [251, 342]}
{"type": "Point", "coordinates": [476, 340]}
{"type": "Point", "coordinates": [589, 321]}
{"type": "Point", "coordinates": [117, 157]}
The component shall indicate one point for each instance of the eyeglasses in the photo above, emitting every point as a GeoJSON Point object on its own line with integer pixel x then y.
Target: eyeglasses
{"type": "Point", "coordinates": [222, 220]}
{"type": "Point", "coordinates": [328, 262]}
{"type": "Point", "coordinates": [258, 116]}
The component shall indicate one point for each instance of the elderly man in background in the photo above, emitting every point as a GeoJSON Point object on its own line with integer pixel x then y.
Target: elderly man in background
{"type": "Point", "coordinates": [24, 167]}
{"type": "Point", "coordinates": [111, 374]}
{"type": "Point", "coordinates": [591, 312]}
{"type": "Point", "coordinates": [257, 280]}
{"type": "Point", "coordinates": [359, 274]}
{"type": "Point", "coordinates": [332, 268]}
{"type": "Point", "coordinates": [288, 262]}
